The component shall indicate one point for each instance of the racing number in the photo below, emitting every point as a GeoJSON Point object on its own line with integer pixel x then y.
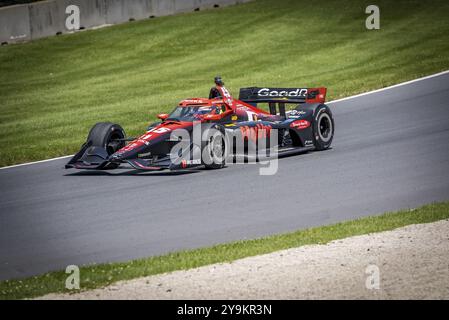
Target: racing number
{"type": "Point", "coordinates": [160, 130]}
{"type": "Point", "coordinates": [252, 116]}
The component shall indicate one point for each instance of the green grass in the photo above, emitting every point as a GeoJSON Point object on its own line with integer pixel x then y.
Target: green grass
{"type": "Point", "coordinates": [53, 90]}
{"type": "Point", "coordinates": [104, 274]}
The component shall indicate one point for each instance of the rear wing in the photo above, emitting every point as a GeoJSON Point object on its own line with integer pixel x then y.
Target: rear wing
{"type": "Point", "coordinates": [255, 95]}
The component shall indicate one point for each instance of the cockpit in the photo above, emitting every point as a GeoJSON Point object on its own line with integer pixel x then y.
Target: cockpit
{"type": "Point", "coordinates": [194, 113]}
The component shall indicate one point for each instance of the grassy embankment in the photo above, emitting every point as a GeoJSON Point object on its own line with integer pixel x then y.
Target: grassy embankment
{"type": "Point", "coordinates": [104, 274]}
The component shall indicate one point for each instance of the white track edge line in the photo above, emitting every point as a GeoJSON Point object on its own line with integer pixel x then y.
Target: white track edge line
{"type": "Point", "coordinates": [391, 87]}
{"type": "Point", "coordinates": [333, 101]}
{"type": "Point", "coordinates": [35, 162]}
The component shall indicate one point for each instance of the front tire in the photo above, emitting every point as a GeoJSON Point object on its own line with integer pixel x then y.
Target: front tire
{"type": "Point", "coordinates": [213, 153]}
{"type": "Point", "coordinates": [106, 135]}
{"type": "Point", "coordinates": [323, 128]}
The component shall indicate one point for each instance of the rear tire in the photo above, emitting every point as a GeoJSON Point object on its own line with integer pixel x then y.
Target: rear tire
{"type": "Point", "coordinates": [103, 135]}
{"type": "Point", "coordinates": [323, 128]}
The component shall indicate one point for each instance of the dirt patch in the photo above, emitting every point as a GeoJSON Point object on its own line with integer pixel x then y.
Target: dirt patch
{"type": "Point", "coordinates": [413, 263]}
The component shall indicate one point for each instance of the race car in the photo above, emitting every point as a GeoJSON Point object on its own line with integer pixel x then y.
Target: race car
{"type": "Point", "coordinates": [213, 131]}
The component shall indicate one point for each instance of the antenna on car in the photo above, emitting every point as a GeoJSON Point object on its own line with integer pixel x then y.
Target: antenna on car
{"type": "Point", "coordinates": [218, 81]}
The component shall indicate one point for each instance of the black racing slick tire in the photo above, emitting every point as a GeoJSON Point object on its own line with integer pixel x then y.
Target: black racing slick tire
{"type": "Point", "coordinates": [107, 135]}
{"type": "Point", "coordinates": [213, 151]}
{"type": "Point", "coordinates": [323, 128]}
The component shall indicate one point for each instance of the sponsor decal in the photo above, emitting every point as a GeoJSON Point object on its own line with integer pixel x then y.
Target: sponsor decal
{"type": "Point", "coordinates": [185, 163]}
{"type": "Point", "coordinates": [296, 113]}
{"type": "Point", "coordinates": [266, 92]}
{"type": "Point", "coordinates": [308, 143]}
{"type": "Point", "coordinates": [227, 95]}
{"type": "Point", "coordinates": [143, 155]}
{"type": "Point", "coordinates": [300, 124]}
{"type": "Point", "coordinates": [198, 101]}
{"type": "Point", "coordinates": [194, 161]}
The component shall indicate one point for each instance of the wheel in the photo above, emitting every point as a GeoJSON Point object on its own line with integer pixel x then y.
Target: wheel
{"type": "Point", "coordinates": [213, 153]}
{"type": "Point", "coordinates": [105, 135]}
{"type": "Point", "coordinates": [323, 128]}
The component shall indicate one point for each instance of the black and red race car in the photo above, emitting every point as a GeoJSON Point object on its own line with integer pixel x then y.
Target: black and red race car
{"type": "Point", "coordinates": [210, 131]}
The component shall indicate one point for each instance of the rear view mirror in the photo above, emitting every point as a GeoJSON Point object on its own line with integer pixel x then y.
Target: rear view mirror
{"type": "Point", "coordinates": [162, 116]}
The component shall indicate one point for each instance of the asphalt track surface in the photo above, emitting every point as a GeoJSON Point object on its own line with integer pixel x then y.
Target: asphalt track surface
{"type": "Point", "coordinates": [390, 151]}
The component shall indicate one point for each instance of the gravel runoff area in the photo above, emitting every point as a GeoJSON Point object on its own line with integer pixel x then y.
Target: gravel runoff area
{"type": "Point", "coordinates": [413, 263]}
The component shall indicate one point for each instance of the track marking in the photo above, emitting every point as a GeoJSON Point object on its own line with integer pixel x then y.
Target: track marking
{"type": "Point", "coordinates": [35, 162]}
{"type": "Point", "coordinates": [330, 102]}
{"type": "Point", "coordinates": [390, 87]}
